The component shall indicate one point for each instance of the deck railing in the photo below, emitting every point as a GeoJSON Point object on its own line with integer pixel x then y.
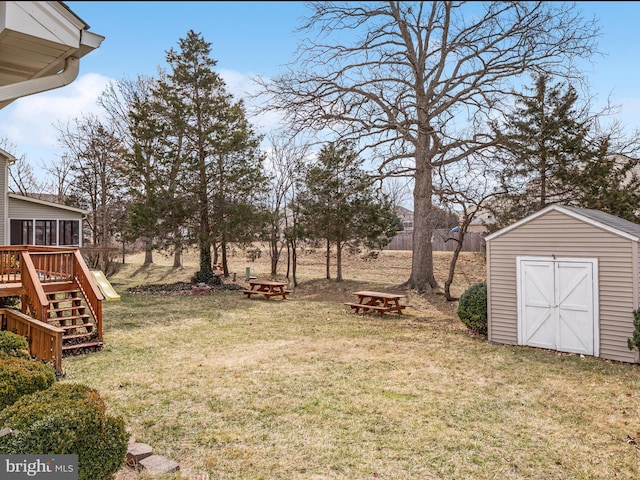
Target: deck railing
{"type": "Point", "coordinates": [34, 300]}
{"type": "Point", "coordinates": [10, 264]}
{"type": "Point", "coordinates": [32, 266]}
{"type": "Point", "coordinates": [53, 266]}
{"type": "Point", "coordinates": [45, 341]}
{"type": "Point", "coordinates": [87, 284]}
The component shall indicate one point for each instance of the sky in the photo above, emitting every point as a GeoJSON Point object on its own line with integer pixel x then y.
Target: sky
{"type": "Point", "coordinates": [248, 39]}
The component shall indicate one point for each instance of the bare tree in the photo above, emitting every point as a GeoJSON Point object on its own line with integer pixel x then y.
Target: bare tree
{"type": "Point", "coordinates": [419, 79]}
{"type": "Point", "coordinates": [284, 164]}
{"type": "Point", "coordinates": [464, 187]}
{"type": "Point", "coordinates": [22, 179]}
{"type": "Point", "coordinates": [397, 190]}
{"type": "Point", "coordinates": [97, 157]}
{"type": "Point", "coordinates": [60, 178]}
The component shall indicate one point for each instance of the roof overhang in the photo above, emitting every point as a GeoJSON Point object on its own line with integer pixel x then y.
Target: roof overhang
{"type": "Point", "coordinates": [7, 156]}
{"type": "Point", "coordinates": [40, 45]}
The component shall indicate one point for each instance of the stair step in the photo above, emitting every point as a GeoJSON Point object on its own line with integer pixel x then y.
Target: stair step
{"type": "Point", "coordinates": [59, 303]}
{"type": "Point", "coordinates": [70, 292]}
{"type": "Point", "coordinates": [82, 317]}
{"type": "Point", "coordinates": [67, 348]}
{"type": "Point", "coordinates": [76, 336]}
{"type": "Point", "coordinates": [58, 311]}
{"type": "Point", "coordinates": [80, 325]}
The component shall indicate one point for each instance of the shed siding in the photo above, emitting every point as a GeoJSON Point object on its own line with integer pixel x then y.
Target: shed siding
{"type": "Point", "coordinates": [25, 210]}
{"type": "Point", "coordinates": [555, 233]}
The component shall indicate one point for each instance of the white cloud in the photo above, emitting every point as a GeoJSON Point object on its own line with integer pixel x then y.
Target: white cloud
{"type": "Point", "coordinates": [241, 86]}
{"type": "Point", "coordinates": [28, 123]}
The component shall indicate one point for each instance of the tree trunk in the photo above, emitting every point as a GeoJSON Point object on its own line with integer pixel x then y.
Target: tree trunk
{"type": "Point", "coordinates": [294, 265]}
{"type": "Point", "coordinates": [148, 251]}
{"type": "Point", "coordinates": [422, 278]}
{"type": "Point", "coordinates": [205, 259]}
{"type": "Point", "coordinates": [204, 239]}
{"type": "Point", "coordinates": [225, 267]}
{"type": "Point", "coordinates": [338, 261]}
{"type": "Point", "coordinates": [452, 266]}
{"type": "Point", "coordinates": [328, 255]}
{"type": "Point", "coordinates": [289, 255]}
{"type": "Point", "coordinates": [275, 256]}
{"type": "Point", "coordinates": [177, 248]}
{"type": "Point", "coordinates": [177, 257]}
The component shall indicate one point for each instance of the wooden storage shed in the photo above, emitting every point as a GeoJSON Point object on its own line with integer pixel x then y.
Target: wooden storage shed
{"type": "Point", "coordinates": [565, 279]}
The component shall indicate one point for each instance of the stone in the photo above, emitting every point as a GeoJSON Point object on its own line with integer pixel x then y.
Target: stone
{"type": "Point", "coordinates": [201, 289]}
{"type": "Point", "coordinates": [138, 451]}
{"type": "Point", "coordinates": [158, 465]}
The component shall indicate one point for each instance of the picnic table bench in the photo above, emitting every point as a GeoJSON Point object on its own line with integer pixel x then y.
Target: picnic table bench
{"type": "Point", "coordinates": [268, 288]}
{"type": "Point", "coordinates": [377, 301]}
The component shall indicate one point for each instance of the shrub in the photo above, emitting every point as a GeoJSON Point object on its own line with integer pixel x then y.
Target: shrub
{"type": "Point", "coordinates": [472, 308]}
{"type": "Point", "coordinates": [634, 342]}
{"type": "Point", "coordinates": [13, 301]}
{"type": "Point", "coordinates": [19, 377]}
{"type": "Point", "coordinates": [14, 345]}
{"type": "Point", "coordinates": [67, 419]}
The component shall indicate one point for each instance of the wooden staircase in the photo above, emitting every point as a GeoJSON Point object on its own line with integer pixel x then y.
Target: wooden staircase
{"type": "Point", "coordinates": [68, 311]}
{"type": "Point", "coordinates": [59, 292]}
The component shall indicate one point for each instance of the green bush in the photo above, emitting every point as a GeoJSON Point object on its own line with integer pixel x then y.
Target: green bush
{"type": "Point", "coordinates": [19, 377]}
{"type": "Point", "coordinates": [14, 345]}
{"type": "Point", "coordinates": [67, 419]}
{"type": "Point", "coordinates": [634, 342]}
{"type": "Point", "coordinates": [472, 308]}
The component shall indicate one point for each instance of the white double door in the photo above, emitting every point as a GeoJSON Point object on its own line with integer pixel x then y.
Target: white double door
{"type": "Point", "coordinates": [558, 304]}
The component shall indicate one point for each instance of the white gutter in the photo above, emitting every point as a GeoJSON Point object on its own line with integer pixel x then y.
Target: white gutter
{"type": "Point", "coordinates": [11, 92]}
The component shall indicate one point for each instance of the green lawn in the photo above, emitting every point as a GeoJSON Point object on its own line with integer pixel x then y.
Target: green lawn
{"type": "Point", "coordinates": [303, 389]}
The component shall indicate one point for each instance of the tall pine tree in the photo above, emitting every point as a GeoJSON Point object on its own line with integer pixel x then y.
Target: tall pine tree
{"type": "Point", "coordinates": [543, 143]}
{"type": "Point", "coordinates": [552, 152]}
{"type": "Point", "coordinates": [221, 156]}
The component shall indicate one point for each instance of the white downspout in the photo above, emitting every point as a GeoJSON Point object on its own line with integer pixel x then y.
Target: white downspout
{"type": "Point", "coordinates": [37, 85]}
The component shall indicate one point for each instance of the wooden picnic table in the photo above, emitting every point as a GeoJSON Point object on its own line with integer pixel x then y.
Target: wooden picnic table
{"type": "Point", "coordinates": [377, 301]}
{"type": "Point", "coordinates": [268, 288]}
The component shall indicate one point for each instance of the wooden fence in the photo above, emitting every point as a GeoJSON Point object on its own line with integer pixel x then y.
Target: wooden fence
{"type": "Point", "coordinates": [442, 241]}
{"type": "Point", "coordinates": [45, 341]}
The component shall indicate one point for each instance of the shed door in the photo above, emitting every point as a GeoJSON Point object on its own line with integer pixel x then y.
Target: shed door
{"type": "Point", "coordinates": [557, 307]}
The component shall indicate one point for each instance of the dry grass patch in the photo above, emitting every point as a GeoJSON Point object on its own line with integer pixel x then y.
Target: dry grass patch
{"type": "Point", "coordinates": [303, 389]}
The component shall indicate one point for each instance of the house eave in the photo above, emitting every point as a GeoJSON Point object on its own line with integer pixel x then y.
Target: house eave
{"type": "Point", "coordinates": [37, 41]}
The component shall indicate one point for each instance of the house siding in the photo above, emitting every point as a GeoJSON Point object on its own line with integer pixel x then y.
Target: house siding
{"type": "Point", "coordinates": [555, 233]}
{"type": "Point", "coordinates": [3, 199]}
{"type": "Point", "coordinates": [25, 210]}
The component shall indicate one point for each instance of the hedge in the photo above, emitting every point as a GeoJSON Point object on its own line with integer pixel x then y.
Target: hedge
{"type": "Point", "coordinates": [19, 377]}
{"type": "Point", "coordinates": [67, 419]}
{"type": "Point", "coordinates": [14, 345]}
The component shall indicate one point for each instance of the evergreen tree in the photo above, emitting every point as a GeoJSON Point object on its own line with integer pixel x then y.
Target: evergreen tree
{"type": "Point", "coordinates": [215, 133]}
{"type": "Point", "coordinates": [144, 174]}
{"type": "Point", "coordinates": [340, 205]}
{"type": "Point", "coordinates": [543, 143]}
{"type": "Point", "coordinates": [610, 183]}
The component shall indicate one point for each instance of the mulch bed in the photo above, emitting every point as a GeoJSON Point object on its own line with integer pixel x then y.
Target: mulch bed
{"type": "Point", "coordinates": [178, 288]}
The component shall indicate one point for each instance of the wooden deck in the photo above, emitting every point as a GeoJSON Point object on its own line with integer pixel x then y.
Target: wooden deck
{"type": "Point", "coordinates": [44, 277]}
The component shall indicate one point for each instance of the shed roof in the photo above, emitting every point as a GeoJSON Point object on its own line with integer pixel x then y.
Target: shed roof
{"type": "Point", "coordinates": [616, 225]}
